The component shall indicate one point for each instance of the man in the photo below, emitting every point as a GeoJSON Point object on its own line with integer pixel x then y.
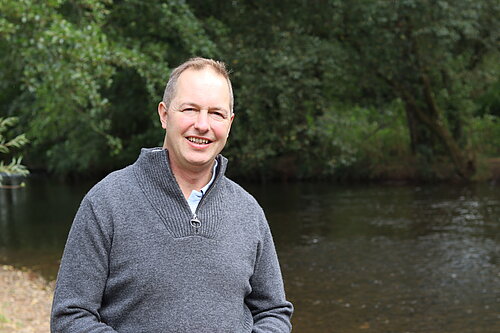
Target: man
{"type": "Point", "coordinates": [169, 244]}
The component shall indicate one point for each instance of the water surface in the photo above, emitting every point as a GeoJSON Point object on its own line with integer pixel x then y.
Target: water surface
{"type": "Point", "coordinates": [354, 258]}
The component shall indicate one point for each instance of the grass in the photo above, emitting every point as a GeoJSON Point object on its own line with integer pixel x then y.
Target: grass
{"type": "Point", "coordinates": [3, 319]}
{"type": "Point", "coordinates": [7, 325]}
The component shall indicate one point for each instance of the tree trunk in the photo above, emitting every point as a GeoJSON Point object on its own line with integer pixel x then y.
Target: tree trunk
{"type": "Point", "coordinates": [464, 167]}
{"type": "Point", "coordinates": [412, 127]}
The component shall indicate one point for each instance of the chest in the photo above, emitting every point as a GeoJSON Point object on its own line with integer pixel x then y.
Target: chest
{"type": "Point", "coordinates": [145, 256]}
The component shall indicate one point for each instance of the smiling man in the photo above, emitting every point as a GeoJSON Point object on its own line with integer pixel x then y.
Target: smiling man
{"type": "Point", "coordinates": [169, 244]}
{"type": "Point", "coordinates": [197, 114]}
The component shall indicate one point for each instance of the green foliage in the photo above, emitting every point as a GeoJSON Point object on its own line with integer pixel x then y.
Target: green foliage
{"type": "Point", "coordinates": [13, 168]}
{"type": "Point", "coordinates": [321, 88]}
{"type": "Point", "coordinates": [292, 63]}
{"type": "Point", "coordinates": [279, 70]}
{"type": "Point", "coordinates": [64, 60]}
{"type": "Point", "coordinates": [485, 135]}
{"type": "Point", "coordinates": [426, 54]}
{"type": "Point", "coordinates": [17, 142]}
{"type": "Point", "coordinates": [8, 145]}
{"type": "Point", "coordinates": [356, 141]}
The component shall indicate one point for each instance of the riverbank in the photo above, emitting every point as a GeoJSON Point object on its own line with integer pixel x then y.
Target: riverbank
{"type": "Point", "coordinates": [25, 301]}
{"type": "Point", "coordinates": [411, 171]}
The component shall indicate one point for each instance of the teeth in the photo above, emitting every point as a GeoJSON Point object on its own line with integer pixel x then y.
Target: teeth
{"type": "Point", "coordinates": [198, 140]}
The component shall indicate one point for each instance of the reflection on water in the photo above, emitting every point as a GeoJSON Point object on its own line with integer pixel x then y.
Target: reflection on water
{"type": "Point", "coordinates": [34, 223]}
{"type": "Point", "coordinates": [388, 259]}
{"type": "Point", "coordinates": [357, 258]}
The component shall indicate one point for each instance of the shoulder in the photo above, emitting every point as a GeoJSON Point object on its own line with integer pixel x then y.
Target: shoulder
{"type": "Point", "coordinates": [239, 195]}
{"type": "Point", "coordinates": [116, 185]}
{"type": "Point", "coordinates": [244, 205]}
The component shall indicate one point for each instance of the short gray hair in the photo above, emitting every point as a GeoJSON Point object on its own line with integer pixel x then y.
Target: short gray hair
{"type": "Point", "coordinates": [197, 63]}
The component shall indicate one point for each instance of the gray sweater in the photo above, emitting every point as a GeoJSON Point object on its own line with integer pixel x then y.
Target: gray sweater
{"type": "Point", "coordinates": [136, 262]}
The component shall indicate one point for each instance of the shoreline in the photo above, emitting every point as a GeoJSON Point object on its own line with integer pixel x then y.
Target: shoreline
{"type": "Point", "coordinates": [404, 170]}
{"type": "Point", "coordinates": [25, 301]}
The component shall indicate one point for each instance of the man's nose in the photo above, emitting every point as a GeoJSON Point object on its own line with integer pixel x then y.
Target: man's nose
{"type": "Point", "coordinates": [201, 123]}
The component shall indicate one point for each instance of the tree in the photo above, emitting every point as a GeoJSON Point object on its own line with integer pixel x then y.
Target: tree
{"type": "Point", "coordinates": [426, 54]}
{"type": "Point", "coordinates": [279, 68]}
{"type": "Point", "coordinates": [295, 63]}
{"type": "Point", "coordinates": [82, 75]}
{"type": "Point", "coordinates": [314, 81]}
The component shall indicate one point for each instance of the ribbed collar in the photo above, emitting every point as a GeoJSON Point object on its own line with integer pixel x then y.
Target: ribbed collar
{"type": "Point", "coordinates": [153, 172]}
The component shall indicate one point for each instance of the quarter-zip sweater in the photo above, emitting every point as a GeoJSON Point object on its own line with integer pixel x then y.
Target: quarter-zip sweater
{"type": "Point", "coordinates": [135, 261]}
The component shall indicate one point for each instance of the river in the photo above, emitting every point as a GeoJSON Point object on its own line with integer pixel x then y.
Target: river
{"type": "Point", "coordinates": [359, 258]}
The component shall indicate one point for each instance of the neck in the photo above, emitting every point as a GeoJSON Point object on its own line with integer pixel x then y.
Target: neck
{"type": "Point", "coordinates": [189, 179]}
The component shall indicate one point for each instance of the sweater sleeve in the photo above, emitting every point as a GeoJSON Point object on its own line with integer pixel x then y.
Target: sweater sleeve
{"type": "Point", "coordinates": [270, 310]}
{"type": "Point", "coordinates": [82, 275]}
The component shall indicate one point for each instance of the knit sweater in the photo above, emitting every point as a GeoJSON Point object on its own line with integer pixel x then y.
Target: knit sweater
{"type": "Point", "coordinates": [136, 260]}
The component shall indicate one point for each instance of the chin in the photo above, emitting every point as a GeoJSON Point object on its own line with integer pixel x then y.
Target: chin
{"type": "Point", "coordinates": [200, 162]}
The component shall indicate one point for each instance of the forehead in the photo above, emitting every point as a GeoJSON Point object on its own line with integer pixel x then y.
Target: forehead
{"type": "Point", "coordinates": [205, 87]}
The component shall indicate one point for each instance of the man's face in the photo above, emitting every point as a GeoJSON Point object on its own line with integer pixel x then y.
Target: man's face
{"type": "Point", "coordinates": [198, 119]}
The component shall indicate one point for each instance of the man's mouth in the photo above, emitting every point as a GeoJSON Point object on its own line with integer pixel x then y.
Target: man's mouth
{"type": "Point", "coordinates": [199, 141]}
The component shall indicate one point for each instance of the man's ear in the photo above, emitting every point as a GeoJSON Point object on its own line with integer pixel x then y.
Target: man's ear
{"type": "Point", "coordinates": [230, 124]}
{"type": "Point", "coordinates": [162, 112]}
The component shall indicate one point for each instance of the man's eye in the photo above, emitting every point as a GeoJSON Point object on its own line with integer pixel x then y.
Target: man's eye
{"type": "Point", "coordinates": [218, 115]}
{"type": "Point", "coordinates": [189, 110]}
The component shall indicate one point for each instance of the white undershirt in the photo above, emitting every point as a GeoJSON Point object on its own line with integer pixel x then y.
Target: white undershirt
{"type": "Point", "coordinates": [195, 196]}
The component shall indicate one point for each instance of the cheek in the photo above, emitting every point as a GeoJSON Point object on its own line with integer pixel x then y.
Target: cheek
{"type": "Point", "coordinates": [180, 124]}
{"type": "Point", "coordinates": [220, 130]}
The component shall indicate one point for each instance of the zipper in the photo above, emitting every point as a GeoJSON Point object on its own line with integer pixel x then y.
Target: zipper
{"type": "Point", "coordinates": [195, 222]}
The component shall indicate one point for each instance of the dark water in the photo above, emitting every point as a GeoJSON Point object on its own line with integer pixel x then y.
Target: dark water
{"type": "Point", "coordinates": [354, 258]}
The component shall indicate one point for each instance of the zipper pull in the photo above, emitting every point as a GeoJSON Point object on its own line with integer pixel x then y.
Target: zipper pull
{"type": "Point", "coordinates": [195, 223]}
